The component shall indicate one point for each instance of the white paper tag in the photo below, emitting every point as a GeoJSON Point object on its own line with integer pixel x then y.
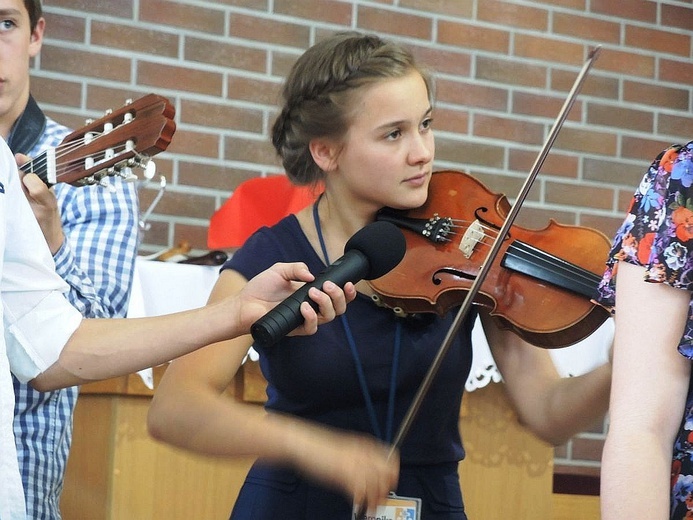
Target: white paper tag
{"type": "Point", "coordinates": [394, 508]}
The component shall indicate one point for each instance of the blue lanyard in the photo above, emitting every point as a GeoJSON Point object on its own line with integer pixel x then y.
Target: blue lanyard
{"type": "Point", "coordinates": [357, 360]}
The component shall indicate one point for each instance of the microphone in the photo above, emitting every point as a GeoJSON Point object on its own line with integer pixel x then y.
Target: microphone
{"type": "Point", "coordinates": [372, 252]}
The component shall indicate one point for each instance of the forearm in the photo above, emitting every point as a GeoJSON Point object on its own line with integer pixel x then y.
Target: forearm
{"type": "Point", "coordinates": [104, 348]}
{"type": "Point", "coordinates": [574, 404]}
{"type": "Point", "coordinates": [636, 474]}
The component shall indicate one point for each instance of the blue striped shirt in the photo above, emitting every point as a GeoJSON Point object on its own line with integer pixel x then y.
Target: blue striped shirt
{"type": "Point", "coordinates": [97, 260]}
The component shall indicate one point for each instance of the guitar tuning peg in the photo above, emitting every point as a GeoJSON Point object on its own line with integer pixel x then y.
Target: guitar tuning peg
{"type": "Point", "coordinates": [149, 169]}
{"type": "Point", "coordinates": [126, 174]}
{"type": "Point", "coordinates": [103, 182]}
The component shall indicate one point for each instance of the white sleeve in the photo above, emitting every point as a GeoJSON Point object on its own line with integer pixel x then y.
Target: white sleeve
{"type": "Point", "coordinates": [38, 320]}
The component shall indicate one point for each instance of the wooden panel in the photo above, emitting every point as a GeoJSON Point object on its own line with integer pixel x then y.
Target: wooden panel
{"type": "Point", "coordinates": [117, 472]}
{"type": "Point", "coordinates": [508, 472]}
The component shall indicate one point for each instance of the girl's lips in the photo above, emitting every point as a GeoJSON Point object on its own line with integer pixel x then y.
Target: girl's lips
{"type": "Point", "coordinates": [417, 180]}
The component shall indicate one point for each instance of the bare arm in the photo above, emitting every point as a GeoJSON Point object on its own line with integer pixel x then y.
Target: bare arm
{"type": "Point", "coordinates": [648, 396]}
{"type": "Point", "coordinates": [103, 348]}
{"type": "Point", "coordinates": [554, 408]}
{"type": "Point", "coordinates": [190, 410]}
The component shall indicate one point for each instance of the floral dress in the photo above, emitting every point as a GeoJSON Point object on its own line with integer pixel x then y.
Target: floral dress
{"type": "Point", "coordinates": [657, 233]}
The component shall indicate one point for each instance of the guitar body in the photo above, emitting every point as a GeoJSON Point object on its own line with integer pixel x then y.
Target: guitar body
{"type": "Point", "coordinates": [120, 140]}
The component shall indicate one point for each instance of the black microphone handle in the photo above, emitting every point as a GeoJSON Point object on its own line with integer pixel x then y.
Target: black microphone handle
{"type": "Point", "coordinates": [286, 316]}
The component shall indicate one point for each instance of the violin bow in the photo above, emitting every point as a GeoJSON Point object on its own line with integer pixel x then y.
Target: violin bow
{"type": "Point", "coordinates": [493, 252]}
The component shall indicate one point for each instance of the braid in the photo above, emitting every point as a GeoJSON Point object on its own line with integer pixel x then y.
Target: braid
{"type": "Point", "coordinates": [318, 94]}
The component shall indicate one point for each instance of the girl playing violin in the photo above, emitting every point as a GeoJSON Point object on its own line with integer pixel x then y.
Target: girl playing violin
{"type": "Point", "coordinates": [357, 118]}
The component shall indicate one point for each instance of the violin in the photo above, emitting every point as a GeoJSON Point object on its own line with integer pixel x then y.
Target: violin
{"type": "Point", "coordinates": [541, 285]}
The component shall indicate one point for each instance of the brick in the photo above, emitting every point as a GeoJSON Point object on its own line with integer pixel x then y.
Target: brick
{"type": "Point", "coordinates": [278, 32]}
{"type": "Point", "coordinates": [625, 197]}
{"type": "Point", "coordinates": [225, 55]}
{"type": "Point", "coordinates": [555, 164]}
{"type": "Point", "coordinates": [257, 151]}
{"type": "Point", "coordinates": [516, 130]}
{"type": "Point", "coordinates": [468, 152]}
{"type": "Point", "coordinates": [624, 62]}
{"type": "Point", "coordinates": [548, 49]}
{"type": "Point", "coordinates": [435, 59]}
{"type": "Point", "coordinates": [571, 4]}
{"type": "Point", "coordinates": [185, 204]}
{"type": "Point", "coordinates": [473, 37]}
{"type": "Point", "coordinates": [56, 91]}
{"type": "Point", "coordinates": [469, 94]}
{"type": "Point", "coordinates": [511, 72]}
{"type": "Point", "coordinates": [620, 117]}
{"type": "Point", "coordinates": [595, 84]}
{"type": "Point", "coordinates": [182, 16]}
{"type": "Point", "coordinates": [644, 150]}
{"type": "Point", "coordinates": [543, 105]}
{"type": "Point", "coordinates": [658, 40]}
{"type": "Point", "coordinates": [396, 22]}
{"type": "Point", "coordinates": [677, 16]}
{"type": "Point", "coordinates": [225, 117]}
{"type": "Point", "coordinates": [613, 171]}
{"type": "Point", "coordinates": [195, 143]}
{"type": "Point", "coordinates": [66, 28]}
{"type": "Point", "coordinates": [321, 10]}
{"type": "Point", "coordinates": [676, 71]}
{"type": "Point", "coordinates": [101, 7]}
{"type": "Point", "coordinates": [186, 79]}
{"type": "Point", "coordinates": [196, 236]}
{"type": "Point", "coordinates": [148, 41]}
{"type": "Point", "coordinates": [586, 141]}
{"type": "Point", "coordinates": [457, 8]}
{"type": "Point", "coordinates": [676, 126]}
{"type": "Point", "coordinates": [85, 63]}
{"type": "Point", "coordinates": [281, 62]}
{"type": "Point", "coordinates": [589, 28]}
{"type": "Point", "coordinates": [259, 5]}
{"type": "Point", "coordinates": [256, 91]}
{"type": "Point", "coordinates": [100, 98]}
{"type": "Point", "coordinates": [578, 195]}
{"type": "Point", "coordinates": [450, 120]}
{"type": "Point", "coordinates": [641, 10]}
{"type": "Point", "coordinates": [513, 15]}
{"type": "Point", "coordinates": [656, 95]}
{"type": "Point", "coordinates": [215, 176]}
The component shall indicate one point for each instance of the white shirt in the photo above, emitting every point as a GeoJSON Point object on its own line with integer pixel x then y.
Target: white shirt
{"type": "Point", "coordinates": [37, 319]}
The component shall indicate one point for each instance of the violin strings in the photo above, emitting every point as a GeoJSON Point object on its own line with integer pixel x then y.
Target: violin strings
{"type": "Point", "coordinates": [552, 264]}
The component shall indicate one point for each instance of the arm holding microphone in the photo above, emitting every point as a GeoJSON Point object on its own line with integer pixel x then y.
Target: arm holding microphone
{"type": "Point", "coordinates": [191, 411]}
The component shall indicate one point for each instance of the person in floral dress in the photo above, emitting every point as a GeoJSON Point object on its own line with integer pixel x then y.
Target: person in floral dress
{"type": "Point", "coordinates": [651, 406]}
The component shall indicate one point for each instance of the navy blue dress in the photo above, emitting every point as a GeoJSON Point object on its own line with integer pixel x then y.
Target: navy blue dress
{"type": "Point", "coordinates": [315, 377]}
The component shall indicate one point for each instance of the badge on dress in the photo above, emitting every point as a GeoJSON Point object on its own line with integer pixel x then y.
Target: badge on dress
{"type": "Point", "coordinates": [394, 508]}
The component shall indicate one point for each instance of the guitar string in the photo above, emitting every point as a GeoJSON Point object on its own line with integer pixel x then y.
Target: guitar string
{"type": "Point", "coordinates": [65, 168]}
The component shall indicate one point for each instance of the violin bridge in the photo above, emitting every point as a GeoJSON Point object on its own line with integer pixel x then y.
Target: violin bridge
{"type": "Point", "coordinates": [472, 236]}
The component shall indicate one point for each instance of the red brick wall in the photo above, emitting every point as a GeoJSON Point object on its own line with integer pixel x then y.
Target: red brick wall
{"type": "Point", "coordinates": [503, 70]}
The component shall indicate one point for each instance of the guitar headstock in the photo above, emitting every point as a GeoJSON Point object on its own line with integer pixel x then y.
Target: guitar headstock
{"type": "Point", "coordinates": [120, 140]}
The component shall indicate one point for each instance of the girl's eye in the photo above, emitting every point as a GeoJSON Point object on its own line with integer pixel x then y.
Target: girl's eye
{"type": "Point", "coordinates": [394, 134]}
{"type": "Point", "coordinates": [426, 123]}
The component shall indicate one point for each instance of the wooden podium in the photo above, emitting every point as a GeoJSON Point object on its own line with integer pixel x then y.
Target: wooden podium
{"type": "Point", "coordinates": [117, 472]}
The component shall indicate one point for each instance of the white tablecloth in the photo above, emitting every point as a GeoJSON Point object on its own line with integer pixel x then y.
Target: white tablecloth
{"type": "Point", "coordinates": [165, 287]}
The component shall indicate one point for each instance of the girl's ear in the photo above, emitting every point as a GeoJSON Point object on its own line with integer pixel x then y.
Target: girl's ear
{"type": "Point", "coordinates": [324, 154]}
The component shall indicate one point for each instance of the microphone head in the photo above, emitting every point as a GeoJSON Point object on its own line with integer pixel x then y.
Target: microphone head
{"type": "Point", "coordinates": [382, 243]}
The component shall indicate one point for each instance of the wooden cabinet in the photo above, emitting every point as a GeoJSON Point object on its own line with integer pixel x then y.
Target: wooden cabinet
{"type": "Point", "coordinates": [117, 472]}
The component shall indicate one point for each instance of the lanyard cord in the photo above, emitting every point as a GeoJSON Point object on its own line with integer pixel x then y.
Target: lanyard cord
{"type": "Point", "coordinates": [357, 360]}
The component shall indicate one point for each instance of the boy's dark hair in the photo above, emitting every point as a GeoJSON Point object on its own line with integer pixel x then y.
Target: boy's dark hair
{"type": "Point", "coordinates": [35, 11]}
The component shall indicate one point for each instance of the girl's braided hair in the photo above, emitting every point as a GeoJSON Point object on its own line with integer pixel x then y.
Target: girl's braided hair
{"type": "Point", "coordinates": [317, 94]}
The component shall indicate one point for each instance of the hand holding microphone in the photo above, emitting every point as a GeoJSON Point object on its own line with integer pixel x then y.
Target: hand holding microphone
{"type": "Point", "coordinates": [370, 253]}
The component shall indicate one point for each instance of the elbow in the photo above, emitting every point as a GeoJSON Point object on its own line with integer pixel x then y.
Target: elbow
{"type": "Point", "coordinates": [157, 420]}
